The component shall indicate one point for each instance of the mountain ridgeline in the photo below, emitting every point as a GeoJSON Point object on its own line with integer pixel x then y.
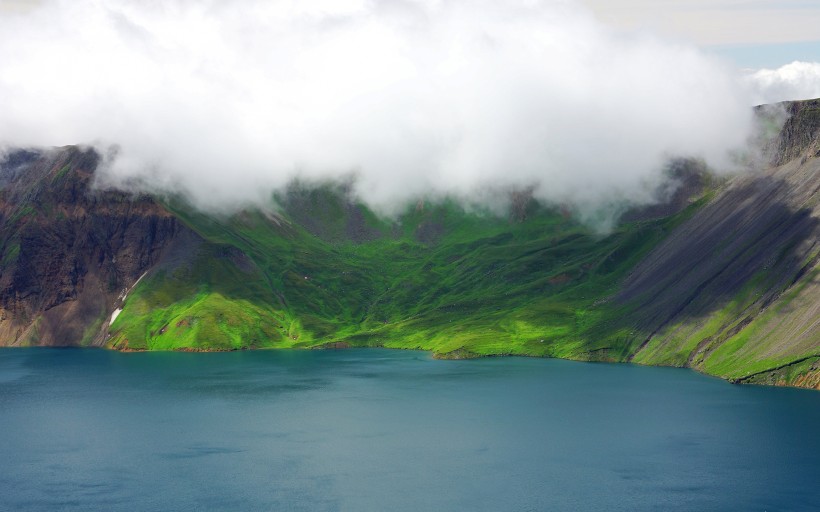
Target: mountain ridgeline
{"type": "Point", "coordinates": [722, 277]}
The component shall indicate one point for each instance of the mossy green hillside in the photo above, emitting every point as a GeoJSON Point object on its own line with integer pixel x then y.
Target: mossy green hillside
{"type": "Point", "coordinates": [324, 271]}
{"type": "Point", "coordinates": [437, 278]}
{"type": "Point", "coordinates": [214, 302]}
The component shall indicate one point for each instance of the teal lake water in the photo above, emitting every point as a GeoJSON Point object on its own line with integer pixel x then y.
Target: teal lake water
{"type": "Point", "coordinates": [362, 430]}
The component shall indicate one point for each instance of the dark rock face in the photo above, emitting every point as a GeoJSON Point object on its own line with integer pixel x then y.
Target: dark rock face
{"type": "Point", "coordinates": [688, 178]}
{"type": "Point", "coordinates": [329, 212]}
{"type": "Point", "coordinates": [800, 136]}
{"type": "Point", "coordinates": [68, 251]}
{"type": "Point", "coordinates": [755, 243]}
{"type": "Point", "coordinates": [521, 204]}
{"type": "Point", "coordinates": [750, 229]}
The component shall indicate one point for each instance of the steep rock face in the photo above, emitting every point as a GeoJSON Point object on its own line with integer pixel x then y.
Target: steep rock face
{"type": "Point", "coordinates": [735, 290]}
{"type": "Point", "coordinates": [329, 212]}
{"type": "Point", "coordinates": [800, 135]}
{"type": "Point", "coordinates": [69, 252]}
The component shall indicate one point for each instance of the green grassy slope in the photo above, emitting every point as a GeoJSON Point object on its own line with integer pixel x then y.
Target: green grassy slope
{"type": "Point", "coordinates": [479, 284]}
{"type": "Point", "coordinates": [728, 284]}
{"type": "Point", "coordinates": [328, 272]}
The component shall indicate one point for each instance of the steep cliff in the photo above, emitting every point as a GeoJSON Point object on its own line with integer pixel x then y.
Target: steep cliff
{"type": "Point", "coordinates": [69, 252]}
{"type": "Point", "coordinates": [735, 290]}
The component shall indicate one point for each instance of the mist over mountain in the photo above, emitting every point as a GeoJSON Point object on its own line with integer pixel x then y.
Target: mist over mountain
{"type": "Point", "coordinates": [721, 275]}
{"type": "Point", "coordinates": [470, 178]}
{"type": "Point", "coordinates": [411, 99]}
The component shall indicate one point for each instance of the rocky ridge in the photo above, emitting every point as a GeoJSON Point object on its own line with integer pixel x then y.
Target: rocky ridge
{"type": "Point", "coordinates": [70, 252]}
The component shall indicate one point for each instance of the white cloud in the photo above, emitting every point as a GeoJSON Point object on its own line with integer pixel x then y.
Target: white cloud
{"type": "Point", "coordinates": [227, 100]}
{"type": "Point", "coordinates": [795, 81]}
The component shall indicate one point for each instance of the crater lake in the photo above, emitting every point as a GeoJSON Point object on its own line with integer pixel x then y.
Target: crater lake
{"type": "Point", "coordinates": [376, 429]}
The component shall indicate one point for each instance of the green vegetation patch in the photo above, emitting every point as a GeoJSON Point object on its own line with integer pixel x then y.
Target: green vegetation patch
{"type": "Point", "coordinates": [212, 304]}
{"type": "Point", "coordinates": [438, 278]}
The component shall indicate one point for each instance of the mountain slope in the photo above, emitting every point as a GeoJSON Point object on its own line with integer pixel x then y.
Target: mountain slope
{"type": "Point", "coordinates": [735, 291]}
{"type": "Point", "coordinates": [486, 285]}
{"type": "Point", "coordinates": [68, 252]}
{"type": "Point", "coordinates": [722, 277]}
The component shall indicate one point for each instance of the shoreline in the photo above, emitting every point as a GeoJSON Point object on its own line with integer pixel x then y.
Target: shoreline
{"type": "Point", "coordinates": [812, 380]}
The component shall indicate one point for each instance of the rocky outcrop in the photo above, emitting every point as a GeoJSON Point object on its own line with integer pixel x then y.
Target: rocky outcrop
{"type": "Point", "coordinates": [800, 135]}
{"type": "Point", "coordinates": [737, 283]}
{"type": "Point", "coordinates": [69, 252]}
{"type": "Point", "coordinates": [328, 211]}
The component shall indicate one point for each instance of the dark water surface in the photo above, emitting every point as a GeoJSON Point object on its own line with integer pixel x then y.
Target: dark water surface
{"type": "Point", "coordinates": [361, 430]}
